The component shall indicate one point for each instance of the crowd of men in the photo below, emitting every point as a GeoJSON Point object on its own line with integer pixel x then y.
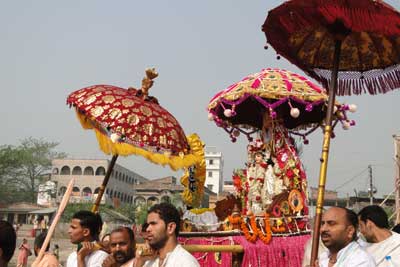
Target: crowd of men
{"type": "Point", "coordinates": [161, 248]}
{"type": "Point", "coordinates": [362, 240]}
{"type": "Point", "coordinates": [348, 239]}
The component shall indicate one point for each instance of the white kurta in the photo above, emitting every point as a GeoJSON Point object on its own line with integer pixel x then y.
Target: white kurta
{"type": "Point", "coordinates": [350, 256]}
{"type": "Point", "coordinates": [179, 257]}
{"type": "Point", "coordinates": [388, 247]}
{"type": "Point", "coordinates": [94, 259]}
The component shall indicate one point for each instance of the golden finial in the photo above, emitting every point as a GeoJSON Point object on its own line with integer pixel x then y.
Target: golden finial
{"type": "Point", "coordinates": [147, 81]}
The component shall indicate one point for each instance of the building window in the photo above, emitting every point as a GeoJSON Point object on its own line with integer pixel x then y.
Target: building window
{"type": "Point", "coordinates": [100, 171]}
{"type": "Point", "coordinates": [210, 174]}
{"type": "Point", "coordinates": [210, 186]}
{"type": "Point", "coordinates": [211, 162]}
{"type": "Point", "coordinates": [88, 171]}
{"type": "Point", "coordinates": [65, 170]}
{"type": "Point", "coordinates": [77, 170]}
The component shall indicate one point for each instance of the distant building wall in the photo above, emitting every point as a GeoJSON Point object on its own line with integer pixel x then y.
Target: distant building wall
{"type": "Point", "coordinates": [214, 170]}
{"type": "Point", "coordinates": [89, 175]}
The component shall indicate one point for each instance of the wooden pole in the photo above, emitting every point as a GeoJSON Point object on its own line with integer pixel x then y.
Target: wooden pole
{"type": "Point", "coordinates": [53, 225]}
{"type": "Point", "coordinates": [214, 248]}
{"type": "Point", "coordinates": [325, 153]}
{"type": "Point", "coordinates": [397, 176]}
{"type": "Point", "coordinates": [96, 205]}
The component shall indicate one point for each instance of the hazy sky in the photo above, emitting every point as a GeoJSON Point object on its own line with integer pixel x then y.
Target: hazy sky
{"type": "Point", "coordinates": [50, 48]}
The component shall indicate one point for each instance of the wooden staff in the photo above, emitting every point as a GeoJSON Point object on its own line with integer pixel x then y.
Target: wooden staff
{"type": "Point", "coordinates": [214, 248]}
{"type": "Point", "coordinates": [53, 225]}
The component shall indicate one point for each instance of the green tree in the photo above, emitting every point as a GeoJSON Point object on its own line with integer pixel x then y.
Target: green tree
{"type": "Point", "coordinates": [23, 167]}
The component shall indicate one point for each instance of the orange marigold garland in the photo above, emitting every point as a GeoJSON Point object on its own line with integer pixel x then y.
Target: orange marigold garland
{"type": "Point", "coordinates": [265, 237]}
{"type": "Point", "coordinates": [252, 237]}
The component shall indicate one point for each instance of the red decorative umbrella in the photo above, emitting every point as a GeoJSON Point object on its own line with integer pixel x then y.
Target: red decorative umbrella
{"type": "Point", "coordinates": [351, 45]}
{"type": "Point", "coordinates": [278, 95]}
{"type": "Point", "coordinates": [129, 121]}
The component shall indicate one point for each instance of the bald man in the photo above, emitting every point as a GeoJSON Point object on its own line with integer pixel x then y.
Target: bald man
{"type": "Point", "coordinates": [339, 234]}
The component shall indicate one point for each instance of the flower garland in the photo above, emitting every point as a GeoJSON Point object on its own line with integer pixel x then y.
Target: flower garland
{"type": "Point", "coordinates": [251, 237]}
{"type": "Point", "coordinates": [265, 234]}
{"type": "Point", "coordinates": [268, 233]}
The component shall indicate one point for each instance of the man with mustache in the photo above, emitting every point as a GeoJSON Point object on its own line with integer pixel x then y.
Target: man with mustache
{"type": "Point", "coordinates": [163, 227]}
{"type": "Point", "coordinates": [339, 234]}
{"type": "Point", "coordinates": [122, 246]}
{"type": "Point", "coordinates": [382, 242]}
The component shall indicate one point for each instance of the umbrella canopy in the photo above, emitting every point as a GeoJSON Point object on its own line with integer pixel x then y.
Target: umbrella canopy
{"type": "Point", "coordinates": [129, 121]}
{"type": "Point", "coordinates": [272, 95]}
{"type": "Point", "coordinates": [352, 45]}
{"type": "Point", "coordinates": [305, 31]}
{"type": "Point", "coordinates": [126, 124]}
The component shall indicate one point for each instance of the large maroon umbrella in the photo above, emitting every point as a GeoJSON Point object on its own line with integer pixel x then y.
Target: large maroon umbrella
{"type": "Point", "coordinates": [351, 45]}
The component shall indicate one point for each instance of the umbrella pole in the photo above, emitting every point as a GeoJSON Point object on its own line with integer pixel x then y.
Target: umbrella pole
{"type": "Point", "coordinates": [96, 205]}
{"type": "Point", "coordinates": [325, 153]}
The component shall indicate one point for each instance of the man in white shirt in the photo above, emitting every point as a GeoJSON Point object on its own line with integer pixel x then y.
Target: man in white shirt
{"type": "Point", "coordinates": [84, 231]}
{"type": "Point", "coordinates": [382, 242]}
{"type": "Point", "coordinates": [163, 227]}
{"type": "Point", "coordinates": [338, 233]}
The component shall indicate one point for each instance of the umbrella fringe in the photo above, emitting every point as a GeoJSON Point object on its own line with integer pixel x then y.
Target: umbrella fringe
{"type": "Point", "coordinates": [387, 81]}
{"type": "Point", "coordinates": [124, 149]}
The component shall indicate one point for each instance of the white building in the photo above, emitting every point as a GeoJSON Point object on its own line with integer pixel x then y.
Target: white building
{"type": "Point", "coordinates": [214, 170]}
{"type": "Point", "coordinates": [89, 174]}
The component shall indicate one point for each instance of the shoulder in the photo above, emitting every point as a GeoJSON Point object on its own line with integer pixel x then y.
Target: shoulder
{"type": "Point", "coordinates": [395, 236]}
{"type": "Point", "coordinates": [182, 256]}
{"type": "Point", "coordinates": [72, 256]}
{"type": "Point", "coordinates": [71, 259]}
{"type": "Point", "coordinates": [98, 255]}
{"type": "Point", "coordinates": [361, 256]}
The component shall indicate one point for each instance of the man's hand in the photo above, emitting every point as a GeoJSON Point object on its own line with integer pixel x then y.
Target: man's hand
{"type": "Point", "coordinates": [143, 254]}
{"type": "Point", "coordinates": [109, 262]}
{"type": "Point", "coordinates": [87, 248]}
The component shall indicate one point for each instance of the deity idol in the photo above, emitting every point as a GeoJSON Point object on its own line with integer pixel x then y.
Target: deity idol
{"type": "Point", "coordinates": [255, 179]}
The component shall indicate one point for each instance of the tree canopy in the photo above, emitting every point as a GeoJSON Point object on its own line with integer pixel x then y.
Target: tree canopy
{"type": "Point", "coordinates": [24, 167]}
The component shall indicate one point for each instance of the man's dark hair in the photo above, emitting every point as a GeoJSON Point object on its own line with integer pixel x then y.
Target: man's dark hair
{"type": "Point", "coordinates": [90, 220]}
{"type": "Point", "coordinates": [396, 228]}
{"type": "Point", "coordinates": [122, 229]}
{"type": "Point", "coordinates": [168, 213]}
{"type": "Point", "coordinates": [8, 240]}
{"type": "Point", "coordinates": [39, 240]}
{"type": "Point", "coordinates": [375, 214]}
{"type": "Point", "coordinates": [352, 219]}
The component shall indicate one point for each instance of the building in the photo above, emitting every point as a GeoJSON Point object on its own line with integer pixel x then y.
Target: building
{"type": "Point", "coordinates": [89, 175]}
{"type": "Point", "coordinates": [214, 170]}
{"type": "Point", "coordinates": [124, 186]}
{"type": "Point", "coordinates": [24, 213]}
{"type": "Point", "coordinates": [165, 189]}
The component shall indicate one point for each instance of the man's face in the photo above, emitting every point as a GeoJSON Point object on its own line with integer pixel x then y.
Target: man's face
{"type": "Point", "coordinates": [365, 230]}
{"type": "Point", "coordinates": [76, 232]}
{"type": "Point", "coordinates": [157, 231]}
{"type": "Point", "coordinates": [335, 231]}
{"type": "Point", "coordinates": [122, 248]}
